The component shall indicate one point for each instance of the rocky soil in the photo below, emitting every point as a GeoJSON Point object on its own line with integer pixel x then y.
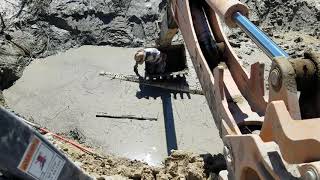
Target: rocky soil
{"type": "Point", "coordinates": [286, 15]}
{"type": "Point", "coordinates": [180, 165]}
{"type": "Point", "coordinates": [30, 29]}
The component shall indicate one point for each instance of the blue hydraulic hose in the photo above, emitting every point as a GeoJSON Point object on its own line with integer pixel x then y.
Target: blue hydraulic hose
{"type": "Point", "coordinates": [259, 37]}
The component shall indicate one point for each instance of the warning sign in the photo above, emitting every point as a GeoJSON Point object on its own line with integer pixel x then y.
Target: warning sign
{"type": "Point", "coordinates": [41, 162]}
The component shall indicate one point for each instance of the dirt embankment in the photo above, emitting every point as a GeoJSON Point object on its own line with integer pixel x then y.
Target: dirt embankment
{"type": "Point", "coordinates": [39, 28]}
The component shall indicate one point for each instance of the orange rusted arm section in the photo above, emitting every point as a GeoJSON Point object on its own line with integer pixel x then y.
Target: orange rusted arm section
{"type": "Point", "coordinates": [282, 146]}
{"type": "Point", "coordinates": [299, 141]}
{"type": "Point", "coordinates": [251, 88]}
{"type": "Point", "coordinates": [251, 158]}
{"type": "Point", "coordinates": [285, 148]}
{"type": "Point", "coordinates": [205, 75]}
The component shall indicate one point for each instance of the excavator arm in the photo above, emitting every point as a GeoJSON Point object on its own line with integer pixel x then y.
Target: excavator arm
{"type": "Point", "coordinates": [272, 136]}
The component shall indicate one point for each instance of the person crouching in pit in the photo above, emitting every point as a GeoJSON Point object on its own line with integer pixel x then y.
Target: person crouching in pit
{"type": "Point", "coordinates": [154, 59]}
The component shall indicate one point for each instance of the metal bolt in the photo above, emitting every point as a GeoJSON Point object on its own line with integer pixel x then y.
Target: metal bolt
{"type": "Point", "coordinates": [311, 174]}
{"type": "Point", "coordinates": [275, 78]}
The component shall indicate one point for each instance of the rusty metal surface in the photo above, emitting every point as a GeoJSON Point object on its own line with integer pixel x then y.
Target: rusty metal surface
{"type": "Point", "coordinates": [287, 90]}
{"type": "Point", "coordinates": [244, 83]}
{"type": "Point", "coordinates": [292, 136]}
{"type": "Point", "coordinates": [227, 8]}
{"type": "Point", "coordinates": [235, 107]}
{"type": "Point", "coordinates": [254, 159]}
{"type": "Point", "coordinates": [310, 94]}
{"type": "Point", "coordinates": [275, 147]}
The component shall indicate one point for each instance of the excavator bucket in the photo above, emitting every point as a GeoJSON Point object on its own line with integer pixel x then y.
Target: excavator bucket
{"type": "Point", "coordinates": [176, 62]}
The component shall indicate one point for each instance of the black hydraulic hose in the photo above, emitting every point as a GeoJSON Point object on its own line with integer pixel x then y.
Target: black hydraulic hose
{"type": "Point", "coordinates": [207, 42]}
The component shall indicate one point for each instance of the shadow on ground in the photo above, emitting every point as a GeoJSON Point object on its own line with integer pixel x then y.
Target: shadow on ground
{"type": "Point", "coordinates": [166, 98]}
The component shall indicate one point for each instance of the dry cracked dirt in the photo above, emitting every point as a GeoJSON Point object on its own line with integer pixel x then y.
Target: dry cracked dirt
{"type": "Point", "coordinates": [40, 28]}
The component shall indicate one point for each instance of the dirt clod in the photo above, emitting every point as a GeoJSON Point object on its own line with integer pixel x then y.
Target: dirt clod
{"type": "Point", "coordinates": [180, 165]}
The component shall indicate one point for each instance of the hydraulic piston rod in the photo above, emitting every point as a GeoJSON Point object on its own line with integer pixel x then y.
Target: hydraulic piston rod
{"type": "Point", "coordinates": [259, 37]}
{"type": "Point", "coordinates": [234, 14]}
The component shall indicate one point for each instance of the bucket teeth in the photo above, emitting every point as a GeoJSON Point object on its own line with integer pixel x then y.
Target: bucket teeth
{"type": "Point", "coordinates": [167, 76]}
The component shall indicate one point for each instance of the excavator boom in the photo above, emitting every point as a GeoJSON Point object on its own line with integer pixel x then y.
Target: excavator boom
{"type": "Point", "coordinates": [272, 136]}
